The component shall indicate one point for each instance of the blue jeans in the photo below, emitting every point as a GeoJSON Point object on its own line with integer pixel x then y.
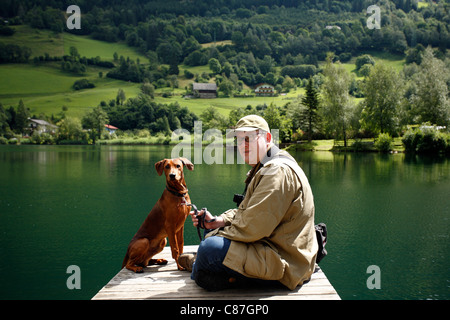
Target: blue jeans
{"type": "Point", "coordinates": [210, 255]}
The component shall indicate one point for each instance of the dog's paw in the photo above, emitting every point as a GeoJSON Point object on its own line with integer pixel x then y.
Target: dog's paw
{"type": "Point", "coordinates": [139, 270]}
{"type": "Point", "coordinates": [157, 262]}
{"type": "Point", "coordinates": [181, 268]}
{"type": "Point", "coordinates": [161, 261]}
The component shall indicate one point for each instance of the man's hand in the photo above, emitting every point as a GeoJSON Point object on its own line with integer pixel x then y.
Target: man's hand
{"type": "Point", "coordinates": [208, 225]}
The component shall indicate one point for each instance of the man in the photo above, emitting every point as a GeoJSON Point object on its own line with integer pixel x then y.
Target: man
{"type": "Point", "coordinates": [271, 235]}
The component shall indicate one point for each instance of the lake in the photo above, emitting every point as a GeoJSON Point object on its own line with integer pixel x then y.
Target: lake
{"type": "Point", "coordinates": [81, 205]}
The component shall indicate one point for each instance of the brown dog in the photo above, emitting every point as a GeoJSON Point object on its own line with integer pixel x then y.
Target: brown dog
{"type": "Point", "coordinates": [166, 219]}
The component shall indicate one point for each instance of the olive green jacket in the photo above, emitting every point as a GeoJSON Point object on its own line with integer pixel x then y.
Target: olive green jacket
{"type": "Point", "coordinates": [272, 231]}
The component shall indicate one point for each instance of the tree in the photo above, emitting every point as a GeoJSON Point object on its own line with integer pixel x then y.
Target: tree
{"type": "Point", "coordinates": [95, 121]}
{"type": "Point", "coordinates": [4, 125]}
{"type": "Point", "coordinates": [212, 119]}
{"type": "Point", "coordinates": [214, 65]}
{"type": "Point", "coordinates": [120, 98]}
{"type": "Point", "coordinates": [383, 90]}
{"type": "Point", "coordinates": [363, 60]}
{"type": "Point", "coordinates": [22, 116]}
{"type": "Point", "coordinates": [226, 86]}
{"type": "Point", "coordinates": [74, 52]}
{"type": "Point", "coordinates": [311, 112]}
{"type": "Point", "coordinates": [196, 58]}
{"type": "Point", "coordinates": [336, 99]}
{"type": "Point", "coordinates": [148, 89]}
{"type": "Point", "coordinates": [238, 39]}
{"type": "Point", "coordinates": [173, 69]}
{"type": "Point", "coordinates": [162, 125]}
{"type": "Point", "coordinates": [70, 129]}
{"type": "Point", "coordinates": [276, 121]}
{"type": "Point", "coordinates": [431, 98]}
{"type": "Point", "coordinates": [272, 116]}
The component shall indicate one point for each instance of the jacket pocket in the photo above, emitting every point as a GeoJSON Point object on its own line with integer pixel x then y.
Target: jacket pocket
{"type": "Point", "coordinates": [263, 262]}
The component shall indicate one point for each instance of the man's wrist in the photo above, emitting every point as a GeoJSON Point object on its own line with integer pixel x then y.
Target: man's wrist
{"type": "Point", "coordinates": [217, 223]}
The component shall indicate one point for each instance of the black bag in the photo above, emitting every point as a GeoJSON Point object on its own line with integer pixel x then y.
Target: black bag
{"type": "Point", "coordinates": [321, 234]}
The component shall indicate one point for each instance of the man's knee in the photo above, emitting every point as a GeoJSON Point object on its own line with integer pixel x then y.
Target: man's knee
{"type": "Point", "coordinates": [214, 244]}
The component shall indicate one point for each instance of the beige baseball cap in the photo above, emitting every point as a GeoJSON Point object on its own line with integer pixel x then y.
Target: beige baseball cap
{"type": "Point", "coordinates": [251, 123]}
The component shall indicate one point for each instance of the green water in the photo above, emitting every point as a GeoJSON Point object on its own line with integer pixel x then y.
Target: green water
{"type": "Point", "coordinates": [80, 205]}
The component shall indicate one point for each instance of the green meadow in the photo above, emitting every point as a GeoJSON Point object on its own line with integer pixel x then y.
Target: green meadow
{"type": "Point", "coordinates": [58, 44]}
{"type": "Point", "coordinates": [46, 89]}
{"type": "Point", "coordinates": [224, 104]}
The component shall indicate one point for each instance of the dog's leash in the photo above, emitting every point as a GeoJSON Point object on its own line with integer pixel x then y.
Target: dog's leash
{"type": "Point", "coordinates": [201, 219]}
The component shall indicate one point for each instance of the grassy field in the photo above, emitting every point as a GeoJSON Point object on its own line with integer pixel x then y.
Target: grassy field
{"type": "Point", "coordinates": [224, 105]}
{"type": "Point", "coordinates": [395, 61]}
{"type": "Point", "coordinates": [58, 44]}
{"type": "Point", "coordinates": [46, 89]}
{"type": "Point", "coordinates": [332, 145]}
{"type": "Point", "coordinates": [105, 50]}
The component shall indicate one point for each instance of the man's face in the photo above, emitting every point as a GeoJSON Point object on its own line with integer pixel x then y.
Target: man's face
{"type": "Point", "coordinates": [252, 145]}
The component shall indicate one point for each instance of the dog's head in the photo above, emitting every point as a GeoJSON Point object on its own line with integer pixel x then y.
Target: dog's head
{"type": "Point", "coordinates": [173, 168]}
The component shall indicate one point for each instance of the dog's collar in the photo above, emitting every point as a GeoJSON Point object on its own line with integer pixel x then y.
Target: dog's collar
{"type": "Point", "coordinates": [176, 193]}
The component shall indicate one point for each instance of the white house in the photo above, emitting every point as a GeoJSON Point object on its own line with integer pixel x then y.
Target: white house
{"type": "Point", "coordinates": [264, 90]}
{"type": "Point", "coordinates": [41, 126]}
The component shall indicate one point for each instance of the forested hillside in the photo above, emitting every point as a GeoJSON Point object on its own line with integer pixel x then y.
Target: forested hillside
{"type": "Point", "coordinates": [246, 42]}
{"type": "Point", "coordinates": [281, 29]}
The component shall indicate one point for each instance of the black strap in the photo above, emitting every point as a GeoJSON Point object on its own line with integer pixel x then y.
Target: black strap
{"type": "Point", "coordinates": [201, 220]}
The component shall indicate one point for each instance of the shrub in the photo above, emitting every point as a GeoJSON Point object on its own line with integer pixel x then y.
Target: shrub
{"type": "Point", "coordinates": [188, 74]}
{"type": "Point", "coordinates": [43, 138]}
{"type": "Point", "coordinates": [408, 141]}
{"type": "Point", "coordinates": [360, 146]}
{"type": "Point", "coordinates": [426, 140]}
{"type": "Point", "coordinates": [384, 142]}
{"type": "Point", "coordinates": [83, 84]}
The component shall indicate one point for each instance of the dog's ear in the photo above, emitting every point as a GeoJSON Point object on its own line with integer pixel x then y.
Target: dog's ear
{"type": "Point", "coordinates": [159, 166]}
{"type": "Point", "coordinates": [187, 163]}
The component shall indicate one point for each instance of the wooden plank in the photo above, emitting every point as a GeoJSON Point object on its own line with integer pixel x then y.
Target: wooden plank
{"type": "Point", "coordinates": [167, 282]}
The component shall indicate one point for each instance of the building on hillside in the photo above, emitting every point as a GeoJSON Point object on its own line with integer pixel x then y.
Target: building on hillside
{"type": "Point", "coordinates": [332, 27]}
{"type": "Point", "coordinates": [111, 129]}
{"type": "Point", "coordinates": [41, 126]}
{"type": "Point", "coordinates": [264, 90]}
{"type": "Point", "coordinates": [205, 90]}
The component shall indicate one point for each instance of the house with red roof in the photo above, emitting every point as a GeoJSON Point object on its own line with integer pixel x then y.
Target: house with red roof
{"type": "Point", "coordinates": [111, 129]}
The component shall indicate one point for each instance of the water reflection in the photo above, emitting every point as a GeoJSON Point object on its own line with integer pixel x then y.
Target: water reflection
{"type": "Point", "coordinates": [82, 204]}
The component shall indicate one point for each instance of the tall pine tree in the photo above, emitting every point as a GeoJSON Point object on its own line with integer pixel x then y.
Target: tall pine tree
{"type": "Point", "coordinates": [22, 117]}
{"type": "Point", "coordinates": [310, 114]}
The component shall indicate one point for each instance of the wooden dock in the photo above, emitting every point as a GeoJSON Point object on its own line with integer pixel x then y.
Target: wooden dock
{"type": "Point", "coordinates": [168, 283]}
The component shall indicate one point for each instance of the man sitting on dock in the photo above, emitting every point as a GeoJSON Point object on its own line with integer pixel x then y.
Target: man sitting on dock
{"type": "Point", "coordinates": [270, 236]}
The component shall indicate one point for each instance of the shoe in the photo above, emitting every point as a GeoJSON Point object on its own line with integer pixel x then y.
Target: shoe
{"type": "Point", "coordinates": [214, 281]}
{"type": "Point", "coordinates": [186, 260]}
